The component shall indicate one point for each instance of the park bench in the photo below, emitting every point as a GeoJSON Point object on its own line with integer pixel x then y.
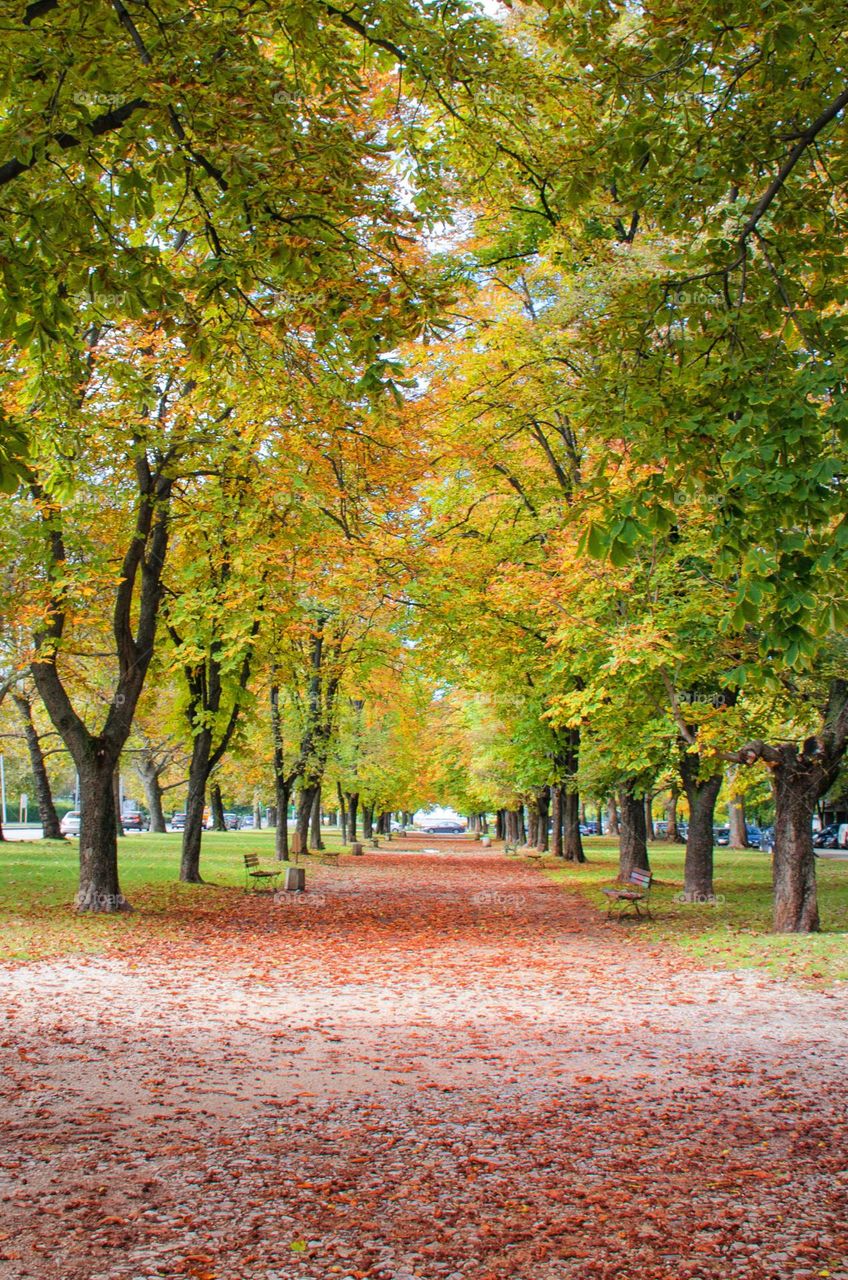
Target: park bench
{"type": "Point", "coordinates": [254, 873]}
{"type": "Point", "coordinates": [510, 848]}
{"type": "Point", "coordinates": [630, 895]}
{"type": "Point", "coordinates": [310, 855]}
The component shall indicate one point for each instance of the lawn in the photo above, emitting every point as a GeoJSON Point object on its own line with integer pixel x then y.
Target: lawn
{"type": "Point", "coordinates": [38, 882]}
{"type": "Point", "coordinates": [732, 932]}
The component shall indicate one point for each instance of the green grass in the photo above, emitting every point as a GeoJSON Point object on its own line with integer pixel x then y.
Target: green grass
{"type": "Point", "coordinates": [38, 882]}
{"type": "Point", "coordinates": [734, 932]}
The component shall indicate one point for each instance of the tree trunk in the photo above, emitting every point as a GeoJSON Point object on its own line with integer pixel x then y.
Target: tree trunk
{"type": "Point", "coordinates": [352, 814]}
{"type": "Point", "coordinates": [572, 840]}
{"type": "Point", "coordinates": [99, 889]}
{"type": "Point", "coordinates": [305, 802]}
{"type": "Point", "coordinates": [116, 800]}
{"type": "Point", "coordinates": [702, 795]}
{"type": "Point", "coordinates": [650, 834]}
{"type": "Point", "coordinates": [556, 820]}
{"type": "Point", "coordinates": [44, 796]}
{"type": "Point", "coordinates": [342, 812]}
{"type": "Point", "coordinates": [198, 774]}
{"type": "Point", "coordinates": [257, 812]}
{"type": "Point", "coordinates": [633, 849]}
{"type": "Point", "coordinates": [216, 805]}
{"type": "Point", "coordinates": [315, 840]}
{"type": "Point", "coordinates": [613, 827]}
{"type": "Point", "coordinates": [146, 769]}
{"type": "Point", "coordinates": [671, 833]}
{"type": "Point", "coordinates": [367, 822]}
{"type": "Point", "coordinates": [543, 804]}
{"type": "Point", "coordinates": [281, 834]}
{"type": "Point", "coordinates": [736, 816]}
{"type": "Point", "coordinates": [796, 791]}
{"type": "Point", "coordinates": [500, 825]}
{"type": "Point", "coordinates": [520, 824]}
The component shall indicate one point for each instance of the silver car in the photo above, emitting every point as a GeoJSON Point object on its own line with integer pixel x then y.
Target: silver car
{"type": "Point", "coordinates": [71, 823]}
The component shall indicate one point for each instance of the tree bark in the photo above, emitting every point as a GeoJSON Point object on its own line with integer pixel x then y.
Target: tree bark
{"type": "Point", "coordinates": [315, 822]}
{"type": "Point", "coordinates": [650, 834]}
{"type": "Point", "coordinates": [572, 840]}
{"type": "Point", "coordinates": [116, 798]}
{"type": "Point", "coordinates": [281, 833]}
{"type": "Point", "coordinates": [147, 770]}
{"type": "Point", "coordinates": [736, 816]}
{"type": "Point", "coordinates": [633, 849]}
{"type": "Point", "coordinates": [368, 822]}
{"type": "Point", "coordinates": [671, 832]}
{"type": "Point", "coordinates": [543, 803]}
{"type": "Point", "coordinates": [352, 815]}
{"type": "Point", "coordinates": [556, 820]}
{"type": "Point", "coordinates": [99, 889]}
{"type": "Point", "coordinates": [48, 817]}
{"type": "Point", "coordinates": [613, 826]}
{"type": "Point", "coordinates": [702, 795]}
{"type": "Point", "coordinates": [796, 791]}
{"type": "Point", "coordinates": [216, 806]}
{"type": "Point", "coordinates": [342, 812]}
{"type": "Point", "coordinates": [198, 773]}
{"type": "Point", "coordinates": [305, 803]}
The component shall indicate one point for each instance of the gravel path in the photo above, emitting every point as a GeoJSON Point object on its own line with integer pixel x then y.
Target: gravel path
{"type": "Point", "coordinates": [433, 1065]}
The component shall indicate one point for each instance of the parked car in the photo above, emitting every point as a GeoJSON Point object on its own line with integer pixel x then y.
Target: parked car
{"type": "Point", "coordinates": [445, 828]}
{"type": "Point", "coordinates": [767, 839]}
{"type": "Point", "coordinates": [177, 823]}
{"type": "Point", "coordinates": [827, 838]}
{"type": "Point", "coordinates": [721, 835]}
{"type": "Point", "coordinates": [754, 834]}
{"type": "Point", "coordinates": [589, 829]}
{"type": "Point", "coordinates": [232, 822]}
{"type": "Point", "coordinates": [71, 823]}
{"type": "Point", "coordinates": [134, 822]}
{"type": "Point", "coordinates": [246, 823]}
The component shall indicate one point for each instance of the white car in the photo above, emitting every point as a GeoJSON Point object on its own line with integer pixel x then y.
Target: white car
{"type": "Point", "coordinates": [71, 823]}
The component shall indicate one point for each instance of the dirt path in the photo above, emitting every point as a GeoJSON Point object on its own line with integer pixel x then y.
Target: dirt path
{"type": "Point", "coordinates": [433, 1065]}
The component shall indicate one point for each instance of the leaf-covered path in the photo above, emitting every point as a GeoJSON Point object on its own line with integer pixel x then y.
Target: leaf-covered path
{"type": "Point", "coordinates": [434, 1065]}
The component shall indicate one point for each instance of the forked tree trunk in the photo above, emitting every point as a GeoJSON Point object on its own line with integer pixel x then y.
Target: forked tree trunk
{"type": "Point", "coordinates": [633, 849]}
{"type": "Point", "coordinates": [572, 841]}
{"type": "Point", "coordinates": [702, 796]}
{"type": "Point", "coordinates": [47, 814]}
